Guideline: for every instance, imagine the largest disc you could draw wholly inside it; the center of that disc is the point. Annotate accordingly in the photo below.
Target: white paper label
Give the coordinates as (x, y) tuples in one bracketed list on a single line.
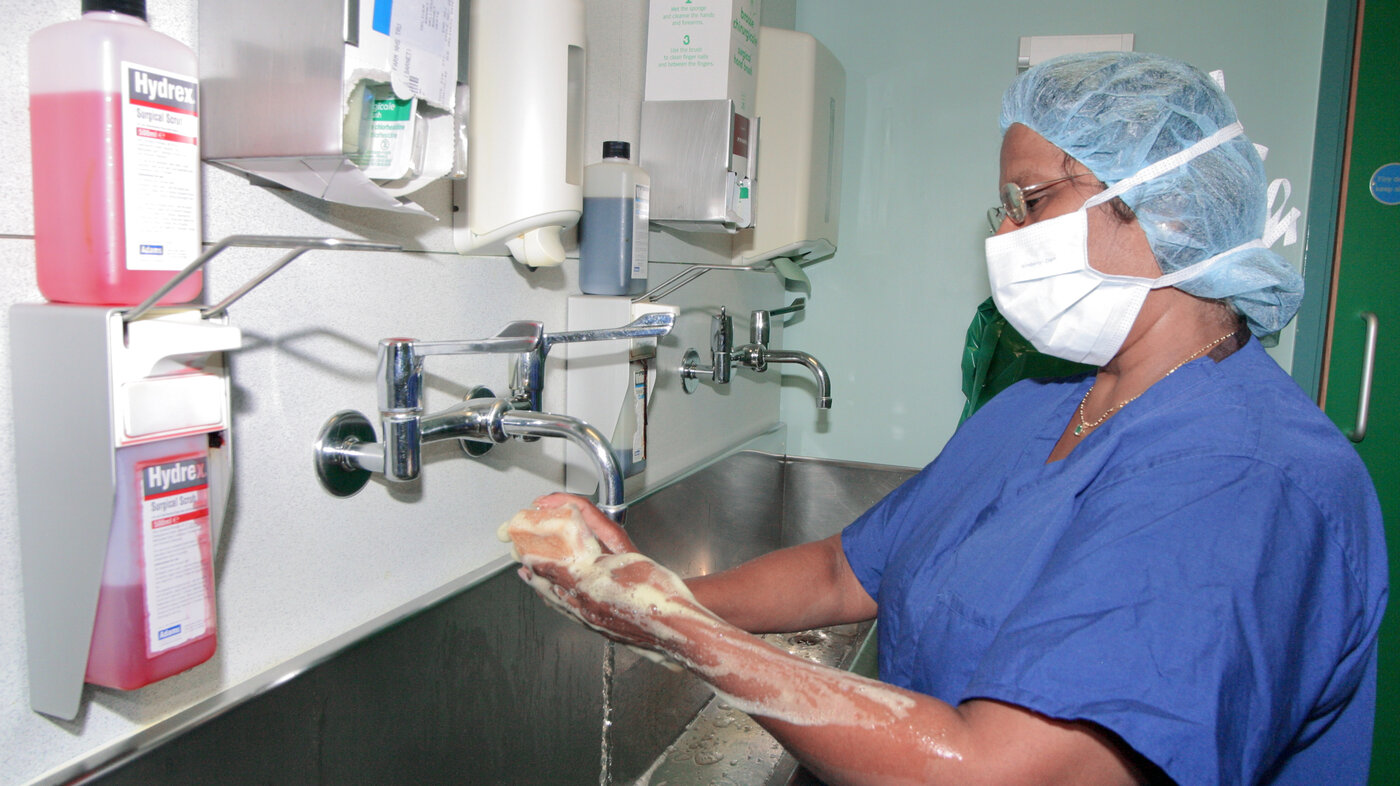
[(176, 550), (424, 61), (160, 167), (639, 403), (641, 211), (703, 50)]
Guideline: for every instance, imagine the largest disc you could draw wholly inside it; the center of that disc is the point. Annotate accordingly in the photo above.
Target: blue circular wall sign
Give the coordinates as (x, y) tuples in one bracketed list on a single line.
[(1385, 184)]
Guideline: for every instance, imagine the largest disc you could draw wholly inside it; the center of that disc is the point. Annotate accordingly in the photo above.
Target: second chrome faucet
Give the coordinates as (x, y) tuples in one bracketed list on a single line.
[(754, 355)]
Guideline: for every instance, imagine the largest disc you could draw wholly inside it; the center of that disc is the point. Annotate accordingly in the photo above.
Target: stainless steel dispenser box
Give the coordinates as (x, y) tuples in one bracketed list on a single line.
[(271, 73), (702, 158), (279, 78)]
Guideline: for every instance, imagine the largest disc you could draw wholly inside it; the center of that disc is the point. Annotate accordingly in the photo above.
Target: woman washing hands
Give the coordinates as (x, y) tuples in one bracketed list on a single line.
[(1171, 569), (846, 728)]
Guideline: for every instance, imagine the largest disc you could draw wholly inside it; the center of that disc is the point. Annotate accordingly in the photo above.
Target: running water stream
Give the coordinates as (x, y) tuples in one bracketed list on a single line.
[(605, 768)]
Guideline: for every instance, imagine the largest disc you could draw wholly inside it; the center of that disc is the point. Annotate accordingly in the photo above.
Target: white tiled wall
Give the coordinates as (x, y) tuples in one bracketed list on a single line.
[(296, 567)]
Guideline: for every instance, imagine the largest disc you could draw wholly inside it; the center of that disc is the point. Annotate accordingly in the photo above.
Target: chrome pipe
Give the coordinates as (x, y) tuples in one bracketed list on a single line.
[(403, 448), (812, 364), (476, 420), (400, 376), (543, 424), (350, 455)]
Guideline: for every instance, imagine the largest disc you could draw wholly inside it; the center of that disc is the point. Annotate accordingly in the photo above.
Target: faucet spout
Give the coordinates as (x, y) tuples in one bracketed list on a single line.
[(492, 420), (543, 424), (813, 365)]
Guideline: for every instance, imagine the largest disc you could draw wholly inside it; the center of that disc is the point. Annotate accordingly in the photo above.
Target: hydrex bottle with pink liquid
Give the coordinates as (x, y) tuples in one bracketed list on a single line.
[(114, 130)]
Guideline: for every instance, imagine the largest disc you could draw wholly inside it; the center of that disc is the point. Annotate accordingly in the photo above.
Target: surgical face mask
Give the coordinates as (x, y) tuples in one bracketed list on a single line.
[(1043, 284)]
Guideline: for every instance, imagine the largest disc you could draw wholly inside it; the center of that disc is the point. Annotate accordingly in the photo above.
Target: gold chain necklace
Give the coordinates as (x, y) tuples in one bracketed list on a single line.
[(1085, 426)]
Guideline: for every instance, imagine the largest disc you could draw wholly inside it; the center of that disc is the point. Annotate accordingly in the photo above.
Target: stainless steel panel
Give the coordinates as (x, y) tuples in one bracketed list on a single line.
[(685, 147), (270, 73), (821, 497), (63, 430)]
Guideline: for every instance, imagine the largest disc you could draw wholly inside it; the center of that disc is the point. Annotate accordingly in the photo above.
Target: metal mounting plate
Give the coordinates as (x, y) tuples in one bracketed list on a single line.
[(337, 474), (472, 448)]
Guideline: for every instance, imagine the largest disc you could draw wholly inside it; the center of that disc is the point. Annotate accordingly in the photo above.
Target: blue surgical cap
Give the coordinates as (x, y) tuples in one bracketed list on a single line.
[(1117, 112)]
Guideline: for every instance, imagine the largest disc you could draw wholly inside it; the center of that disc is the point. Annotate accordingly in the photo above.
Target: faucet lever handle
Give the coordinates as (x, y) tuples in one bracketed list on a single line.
[(792, 308), (522, 336), (657, 323)]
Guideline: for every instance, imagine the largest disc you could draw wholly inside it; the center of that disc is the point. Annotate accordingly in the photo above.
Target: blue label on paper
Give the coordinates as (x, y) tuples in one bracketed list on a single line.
[(383, 9), (1385, 184)]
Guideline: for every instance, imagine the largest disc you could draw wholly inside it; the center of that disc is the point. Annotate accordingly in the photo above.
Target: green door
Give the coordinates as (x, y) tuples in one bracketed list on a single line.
[(1368, 282)]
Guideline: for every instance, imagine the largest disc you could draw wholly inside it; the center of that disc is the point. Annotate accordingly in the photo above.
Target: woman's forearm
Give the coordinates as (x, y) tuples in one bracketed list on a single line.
[(846, 728), (852, 730), (796, 588)]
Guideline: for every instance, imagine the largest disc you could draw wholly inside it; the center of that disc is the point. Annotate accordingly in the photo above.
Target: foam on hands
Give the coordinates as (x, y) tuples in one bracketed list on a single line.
[(797, 691)]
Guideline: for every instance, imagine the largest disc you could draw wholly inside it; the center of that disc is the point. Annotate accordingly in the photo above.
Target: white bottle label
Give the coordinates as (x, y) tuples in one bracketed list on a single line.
[(641, 210), (639, 403), (160, 167), (175, 550)]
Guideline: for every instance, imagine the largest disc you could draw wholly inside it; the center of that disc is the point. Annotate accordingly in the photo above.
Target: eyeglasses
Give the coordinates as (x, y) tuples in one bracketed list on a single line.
[(1013, 201)]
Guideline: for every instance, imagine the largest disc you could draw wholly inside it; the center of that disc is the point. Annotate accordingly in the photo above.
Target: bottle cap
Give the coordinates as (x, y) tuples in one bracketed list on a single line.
[(617, 150), (136, 8)]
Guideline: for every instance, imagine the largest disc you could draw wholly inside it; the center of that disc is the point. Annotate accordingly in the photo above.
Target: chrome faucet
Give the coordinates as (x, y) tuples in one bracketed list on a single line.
[(755, 354), (347, 453), (527, 377), (401, 387)]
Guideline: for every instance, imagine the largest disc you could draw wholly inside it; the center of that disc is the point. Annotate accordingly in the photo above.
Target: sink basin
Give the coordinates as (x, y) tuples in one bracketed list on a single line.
[(670, 729), (484, 679), (725, 746)]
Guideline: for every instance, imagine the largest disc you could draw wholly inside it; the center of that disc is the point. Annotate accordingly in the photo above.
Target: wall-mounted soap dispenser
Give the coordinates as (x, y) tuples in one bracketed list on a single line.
[(121, 443), (525, 77), (122, 462)]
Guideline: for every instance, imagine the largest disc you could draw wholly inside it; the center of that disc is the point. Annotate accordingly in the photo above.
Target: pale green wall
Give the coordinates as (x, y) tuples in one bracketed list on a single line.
[(924, 80)]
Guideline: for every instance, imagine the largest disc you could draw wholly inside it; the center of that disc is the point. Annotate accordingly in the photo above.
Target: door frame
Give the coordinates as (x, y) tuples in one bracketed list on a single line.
[(1334, 98)]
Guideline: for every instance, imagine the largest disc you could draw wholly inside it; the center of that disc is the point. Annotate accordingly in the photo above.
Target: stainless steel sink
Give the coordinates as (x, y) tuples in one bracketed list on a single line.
[(484, 681), (669, 729)]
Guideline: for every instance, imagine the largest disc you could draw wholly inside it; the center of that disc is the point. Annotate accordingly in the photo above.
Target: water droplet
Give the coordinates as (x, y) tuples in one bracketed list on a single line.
[(709, 757)]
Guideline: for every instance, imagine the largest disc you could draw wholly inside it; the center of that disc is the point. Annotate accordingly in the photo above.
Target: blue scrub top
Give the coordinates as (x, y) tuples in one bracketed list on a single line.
[(1204, 575)]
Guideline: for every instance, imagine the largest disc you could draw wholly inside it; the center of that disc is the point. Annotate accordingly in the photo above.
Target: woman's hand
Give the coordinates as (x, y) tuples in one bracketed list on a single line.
[(606, 530), (585, 565)]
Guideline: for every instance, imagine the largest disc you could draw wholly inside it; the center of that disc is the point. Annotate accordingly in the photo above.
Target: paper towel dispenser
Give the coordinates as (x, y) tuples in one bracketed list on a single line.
[(280, 79), (802, 109)]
